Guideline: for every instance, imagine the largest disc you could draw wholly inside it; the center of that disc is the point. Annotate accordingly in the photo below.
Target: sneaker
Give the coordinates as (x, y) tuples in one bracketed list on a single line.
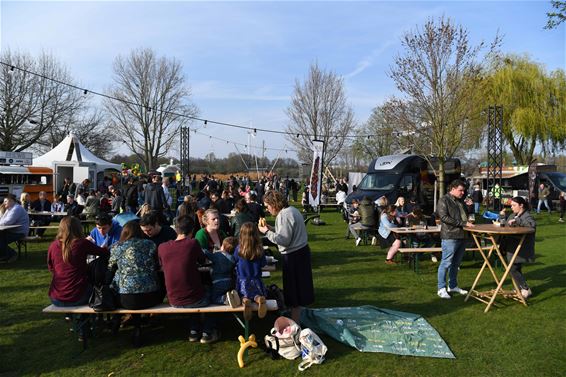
[(233, 299), (458, 290), (358, 240), (210, 338), (434, 259), (262, 307), (247, 309), (373, 241), (561, 220), (526, 293), (194, 336), (442, 293)]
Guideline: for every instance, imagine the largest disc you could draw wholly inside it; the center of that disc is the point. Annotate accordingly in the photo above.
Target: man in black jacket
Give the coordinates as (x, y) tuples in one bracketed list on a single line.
[(454, 218)]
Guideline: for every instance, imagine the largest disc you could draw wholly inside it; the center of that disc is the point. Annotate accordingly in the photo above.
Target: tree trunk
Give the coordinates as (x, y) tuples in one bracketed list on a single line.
[(441, 183)]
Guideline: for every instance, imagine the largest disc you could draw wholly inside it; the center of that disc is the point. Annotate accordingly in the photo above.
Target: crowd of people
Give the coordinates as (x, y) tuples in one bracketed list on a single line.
[(158, 253), (158, 256)]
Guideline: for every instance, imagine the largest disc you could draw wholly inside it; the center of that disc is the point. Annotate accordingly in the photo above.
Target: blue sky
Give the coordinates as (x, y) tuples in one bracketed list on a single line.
[(241, 59)]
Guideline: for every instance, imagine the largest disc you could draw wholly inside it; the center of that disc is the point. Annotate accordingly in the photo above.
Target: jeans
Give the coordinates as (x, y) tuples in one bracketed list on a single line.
[(193, 319), (7, 237), (452, 253), (545, 201), (477, 208), (82, 301)]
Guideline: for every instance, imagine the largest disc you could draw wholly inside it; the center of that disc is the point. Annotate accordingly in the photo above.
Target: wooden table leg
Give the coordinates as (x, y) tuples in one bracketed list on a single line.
[(507, 269)]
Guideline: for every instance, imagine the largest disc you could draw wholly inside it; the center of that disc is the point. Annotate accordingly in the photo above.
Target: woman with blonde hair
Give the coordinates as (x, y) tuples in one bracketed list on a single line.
[(25, 201), (210, 237), (66, 259)]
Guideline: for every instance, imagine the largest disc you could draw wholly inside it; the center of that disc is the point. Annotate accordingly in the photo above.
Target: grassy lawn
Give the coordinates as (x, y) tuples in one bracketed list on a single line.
[(509, 340)]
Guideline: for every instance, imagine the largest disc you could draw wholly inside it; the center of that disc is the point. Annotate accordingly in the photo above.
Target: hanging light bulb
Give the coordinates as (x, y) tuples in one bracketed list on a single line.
[(85, 92), (205, 123)]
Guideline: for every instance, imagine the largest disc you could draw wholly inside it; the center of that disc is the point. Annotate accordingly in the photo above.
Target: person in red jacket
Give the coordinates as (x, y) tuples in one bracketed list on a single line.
[(66, 260)]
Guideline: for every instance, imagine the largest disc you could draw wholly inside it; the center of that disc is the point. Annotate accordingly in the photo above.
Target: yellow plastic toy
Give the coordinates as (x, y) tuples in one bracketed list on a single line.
[(243, 346)]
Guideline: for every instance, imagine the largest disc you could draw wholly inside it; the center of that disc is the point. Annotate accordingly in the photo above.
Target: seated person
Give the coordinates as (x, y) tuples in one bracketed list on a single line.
[(106, 233), (388, 238), (152, 225), (67, 261), (368, 219), (242, 216), (179, 260), (57, 206), (134, 260), (71, 207), (255, 209), (222, 271), (92, 206), (12, 214), (402, 210), (41, 205)]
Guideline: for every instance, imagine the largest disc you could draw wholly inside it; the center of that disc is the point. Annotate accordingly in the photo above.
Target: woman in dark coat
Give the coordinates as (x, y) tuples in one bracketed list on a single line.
[(520, 217)]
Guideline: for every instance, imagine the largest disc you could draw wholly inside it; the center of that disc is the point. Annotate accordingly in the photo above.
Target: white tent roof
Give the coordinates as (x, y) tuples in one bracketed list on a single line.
[(71, 149)]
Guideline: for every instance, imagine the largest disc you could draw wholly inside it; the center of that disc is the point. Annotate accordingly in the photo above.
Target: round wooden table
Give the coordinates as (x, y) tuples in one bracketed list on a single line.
[(492, 233)]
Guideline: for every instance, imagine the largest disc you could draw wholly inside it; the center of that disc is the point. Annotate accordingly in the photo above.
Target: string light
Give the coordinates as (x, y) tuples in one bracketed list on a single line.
[(85, 92), (206, 121)]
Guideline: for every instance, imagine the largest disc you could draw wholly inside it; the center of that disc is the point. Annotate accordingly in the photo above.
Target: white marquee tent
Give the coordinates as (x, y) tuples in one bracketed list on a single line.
[(71, 159)]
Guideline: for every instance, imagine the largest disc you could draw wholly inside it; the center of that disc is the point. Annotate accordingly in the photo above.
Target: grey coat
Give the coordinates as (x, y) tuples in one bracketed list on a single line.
[(450, 213), (510, 243)]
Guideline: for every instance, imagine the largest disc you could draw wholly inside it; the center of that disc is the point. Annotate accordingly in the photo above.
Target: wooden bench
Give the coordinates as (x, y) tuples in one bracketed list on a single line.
[(416, 251), (24, 243), (159, 309)]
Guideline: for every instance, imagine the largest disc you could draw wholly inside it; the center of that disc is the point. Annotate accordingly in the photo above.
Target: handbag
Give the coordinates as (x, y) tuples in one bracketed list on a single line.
[(283, 339), (103, 298)]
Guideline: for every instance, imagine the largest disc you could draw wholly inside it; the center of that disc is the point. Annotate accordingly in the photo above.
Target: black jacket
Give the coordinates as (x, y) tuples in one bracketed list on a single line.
[(450, 212), (155, 197)]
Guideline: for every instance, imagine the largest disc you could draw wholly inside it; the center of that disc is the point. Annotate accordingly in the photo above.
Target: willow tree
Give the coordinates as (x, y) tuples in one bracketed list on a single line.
[(437, 74), (534, 110)]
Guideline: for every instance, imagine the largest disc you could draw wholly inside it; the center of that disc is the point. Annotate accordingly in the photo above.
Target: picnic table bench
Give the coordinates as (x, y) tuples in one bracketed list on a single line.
[(159, 309), (415, 252)]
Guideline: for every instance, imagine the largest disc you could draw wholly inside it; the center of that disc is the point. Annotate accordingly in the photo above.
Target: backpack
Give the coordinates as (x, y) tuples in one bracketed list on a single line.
[(283, 339), (276, 293), (312, 349)]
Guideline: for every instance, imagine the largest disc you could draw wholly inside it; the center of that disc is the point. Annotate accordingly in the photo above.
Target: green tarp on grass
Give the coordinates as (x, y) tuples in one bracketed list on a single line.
[(371, 329)]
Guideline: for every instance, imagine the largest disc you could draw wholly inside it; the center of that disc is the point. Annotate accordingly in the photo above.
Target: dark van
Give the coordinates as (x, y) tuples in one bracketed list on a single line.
[(406, 175)]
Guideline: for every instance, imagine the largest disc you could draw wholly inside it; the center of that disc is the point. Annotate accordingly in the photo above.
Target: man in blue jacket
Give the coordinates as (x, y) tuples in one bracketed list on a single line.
[(12, 214)]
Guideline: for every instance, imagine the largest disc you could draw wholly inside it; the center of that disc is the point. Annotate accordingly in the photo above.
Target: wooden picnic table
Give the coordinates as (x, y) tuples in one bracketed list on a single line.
[(492, 233), (415, 252), (46, 213)]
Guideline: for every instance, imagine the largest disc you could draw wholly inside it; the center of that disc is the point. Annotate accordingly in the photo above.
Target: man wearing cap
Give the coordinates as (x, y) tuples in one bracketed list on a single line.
[(12, 214)]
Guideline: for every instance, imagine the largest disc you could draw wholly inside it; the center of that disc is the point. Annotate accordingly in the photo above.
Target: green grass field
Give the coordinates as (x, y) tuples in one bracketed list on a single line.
[(510, 340)]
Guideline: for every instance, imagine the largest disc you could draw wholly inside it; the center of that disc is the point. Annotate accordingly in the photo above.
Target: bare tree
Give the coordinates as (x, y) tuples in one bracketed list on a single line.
[(438, 74), (153, 103), (386, 140), (91, 129), (34, 100), (319, 110)]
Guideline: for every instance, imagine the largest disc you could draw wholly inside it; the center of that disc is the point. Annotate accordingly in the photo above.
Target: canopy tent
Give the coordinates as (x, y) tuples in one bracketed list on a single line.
[(71, 159)]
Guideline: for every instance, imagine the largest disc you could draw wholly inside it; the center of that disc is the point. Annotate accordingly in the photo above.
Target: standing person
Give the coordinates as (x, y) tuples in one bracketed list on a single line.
[(543, 193), (477, 198), (250, 259), (562, 198), (453, 219), (68, 188), (179, 260), (82, 187), (154, 195), (210, 237), (520, 216), (131, 196), (290, 236), (12, 214)]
